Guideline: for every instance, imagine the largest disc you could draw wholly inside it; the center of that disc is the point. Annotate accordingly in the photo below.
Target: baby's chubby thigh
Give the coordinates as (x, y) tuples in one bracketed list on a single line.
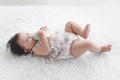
[(79, 47)]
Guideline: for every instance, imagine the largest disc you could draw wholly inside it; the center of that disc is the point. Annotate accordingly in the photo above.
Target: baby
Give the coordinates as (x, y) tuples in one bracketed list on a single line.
[(60, 45)]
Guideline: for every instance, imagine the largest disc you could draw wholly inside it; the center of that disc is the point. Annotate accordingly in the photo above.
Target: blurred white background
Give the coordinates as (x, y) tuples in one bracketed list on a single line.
[(15, 16), (60, 2)]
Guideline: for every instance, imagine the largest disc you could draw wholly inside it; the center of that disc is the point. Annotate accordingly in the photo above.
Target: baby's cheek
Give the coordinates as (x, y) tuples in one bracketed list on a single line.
[(31, 42), (30, 45)]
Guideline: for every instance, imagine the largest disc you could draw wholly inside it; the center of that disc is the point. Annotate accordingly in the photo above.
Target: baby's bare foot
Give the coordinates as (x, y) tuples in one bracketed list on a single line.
[(86, 31), (106, 48)]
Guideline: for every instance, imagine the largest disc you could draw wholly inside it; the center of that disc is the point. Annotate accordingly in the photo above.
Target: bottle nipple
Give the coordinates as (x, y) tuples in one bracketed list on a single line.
[(35, 37)]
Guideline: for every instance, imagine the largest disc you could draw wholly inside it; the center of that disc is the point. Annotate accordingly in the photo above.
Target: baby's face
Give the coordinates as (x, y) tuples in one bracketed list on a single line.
[(26, 41)]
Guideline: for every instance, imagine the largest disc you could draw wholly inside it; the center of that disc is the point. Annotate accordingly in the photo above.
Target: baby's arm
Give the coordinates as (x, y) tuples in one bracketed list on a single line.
[(44, 48)]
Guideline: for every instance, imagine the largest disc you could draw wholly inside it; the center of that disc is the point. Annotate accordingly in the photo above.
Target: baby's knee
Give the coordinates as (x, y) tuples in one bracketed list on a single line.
[(69, 23)]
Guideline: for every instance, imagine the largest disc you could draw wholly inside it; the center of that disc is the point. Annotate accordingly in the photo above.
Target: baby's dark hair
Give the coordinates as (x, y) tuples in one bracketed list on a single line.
[(14, 47)]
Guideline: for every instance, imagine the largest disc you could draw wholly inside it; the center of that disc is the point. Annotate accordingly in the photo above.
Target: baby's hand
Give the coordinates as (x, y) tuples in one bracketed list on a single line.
[(44, 28), (41, 31)]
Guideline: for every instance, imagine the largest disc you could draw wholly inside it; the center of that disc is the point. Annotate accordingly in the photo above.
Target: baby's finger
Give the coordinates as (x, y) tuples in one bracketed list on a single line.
[(41, 28), (44, 27)]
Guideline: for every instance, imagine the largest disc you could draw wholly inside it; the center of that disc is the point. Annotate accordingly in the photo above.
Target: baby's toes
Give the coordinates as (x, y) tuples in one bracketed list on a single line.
[(109, 47)]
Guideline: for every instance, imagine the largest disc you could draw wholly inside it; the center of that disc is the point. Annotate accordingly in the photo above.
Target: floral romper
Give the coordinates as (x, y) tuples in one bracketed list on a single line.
[(60, 44)]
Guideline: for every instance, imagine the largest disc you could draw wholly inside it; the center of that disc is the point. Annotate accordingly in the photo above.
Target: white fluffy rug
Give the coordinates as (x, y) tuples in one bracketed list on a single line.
[(105, 25)]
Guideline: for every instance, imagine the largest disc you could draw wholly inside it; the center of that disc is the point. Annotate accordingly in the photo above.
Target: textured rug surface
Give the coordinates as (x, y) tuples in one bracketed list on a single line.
[(105, 26)]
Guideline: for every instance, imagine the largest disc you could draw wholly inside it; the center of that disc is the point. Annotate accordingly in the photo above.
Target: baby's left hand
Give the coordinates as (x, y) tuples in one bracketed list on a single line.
[(44, 28), (41, 31)]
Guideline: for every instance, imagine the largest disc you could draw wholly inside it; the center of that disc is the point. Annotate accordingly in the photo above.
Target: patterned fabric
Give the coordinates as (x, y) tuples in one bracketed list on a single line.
[(60, 44)]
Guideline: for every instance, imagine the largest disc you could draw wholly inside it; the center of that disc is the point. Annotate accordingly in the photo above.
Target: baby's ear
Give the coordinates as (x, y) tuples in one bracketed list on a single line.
[(26, 50)]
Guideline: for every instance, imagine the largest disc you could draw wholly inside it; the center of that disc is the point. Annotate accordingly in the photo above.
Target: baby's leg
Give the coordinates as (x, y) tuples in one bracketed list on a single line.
[(81, 46), (77, 29)]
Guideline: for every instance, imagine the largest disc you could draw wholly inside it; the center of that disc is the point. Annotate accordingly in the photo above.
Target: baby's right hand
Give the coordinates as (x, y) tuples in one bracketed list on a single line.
[(44, 28), (41, 31)]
